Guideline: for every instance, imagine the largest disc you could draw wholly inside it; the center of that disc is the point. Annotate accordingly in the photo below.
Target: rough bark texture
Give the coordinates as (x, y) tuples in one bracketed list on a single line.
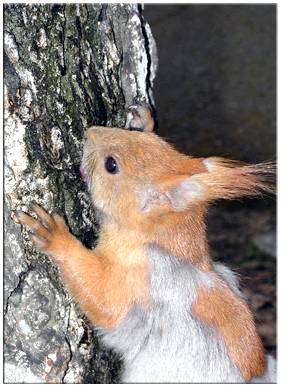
[(66, 67)]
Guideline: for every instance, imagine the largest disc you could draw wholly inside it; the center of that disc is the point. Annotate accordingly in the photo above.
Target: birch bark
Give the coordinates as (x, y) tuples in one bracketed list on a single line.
[(66, 67)]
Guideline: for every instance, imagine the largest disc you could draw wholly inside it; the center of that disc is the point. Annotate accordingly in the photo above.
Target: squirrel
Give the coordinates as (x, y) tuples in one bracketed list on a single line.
[(150, 285)]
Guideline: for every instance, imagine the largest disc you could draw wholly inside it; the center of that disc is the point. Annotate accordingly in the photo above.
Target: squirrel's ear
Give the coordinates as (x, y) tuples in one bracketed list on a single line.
[(173, 190), (181, 191), (220, 179)]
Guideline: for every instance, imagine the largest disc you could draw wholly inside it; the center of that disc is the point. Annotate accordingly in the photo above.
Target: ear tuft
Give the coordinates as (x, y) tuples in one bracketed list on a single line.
[(222, 179), (229, 179), (219, 179)]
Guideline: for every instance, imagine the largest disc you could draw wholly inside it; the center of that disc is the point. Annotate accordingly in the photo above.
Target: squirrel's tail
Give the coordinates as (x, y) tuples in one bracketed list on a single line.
[(270, 375)]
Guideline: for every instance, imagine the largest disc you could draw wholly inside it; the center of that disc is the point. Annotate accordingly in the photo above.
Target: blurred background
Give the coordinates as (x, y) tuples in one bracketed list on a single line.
[(215, 94)]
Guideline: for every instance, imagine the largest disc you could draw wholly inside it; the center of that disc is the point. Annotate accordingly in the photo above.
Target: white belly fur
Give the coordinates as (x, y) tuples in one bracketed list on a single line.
[(167, 344)]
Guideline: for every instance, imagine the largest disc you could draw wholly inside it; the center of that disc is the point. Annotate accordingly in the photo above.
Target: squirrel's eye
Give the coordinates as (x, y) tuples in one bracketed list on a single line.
[(111, 165)]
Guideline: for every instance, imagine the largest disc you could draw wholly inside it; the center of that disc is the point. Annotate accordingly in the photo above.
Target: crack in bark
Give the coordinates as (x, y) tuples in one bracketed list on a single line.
[(102, 15), (147, 50), (100, 113), (149, 65), (63, 67), (18, 287), (69, 346)]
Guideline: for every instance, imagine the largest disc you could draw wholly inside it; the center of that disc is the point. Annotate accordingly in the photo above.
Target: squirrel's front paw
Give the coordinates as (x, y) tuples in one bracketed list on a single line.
[(49, 232)]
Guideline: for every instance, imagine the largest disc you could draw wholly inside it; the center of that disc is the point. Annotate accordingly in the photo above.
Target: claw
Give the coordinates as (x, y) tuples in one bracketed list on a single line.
[(34, 225), (44, 216), (49, 232)]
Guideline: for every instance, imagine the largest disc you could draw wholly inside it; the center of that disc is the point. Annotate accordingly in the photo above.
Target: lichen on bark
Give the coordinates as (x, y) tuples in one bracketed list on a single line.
[(66, 67)]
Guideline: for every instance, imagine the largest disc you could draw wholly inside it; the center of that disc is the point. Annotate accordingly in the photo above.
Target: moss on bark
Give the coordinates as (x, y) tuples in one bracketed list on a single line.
[(67, 66)]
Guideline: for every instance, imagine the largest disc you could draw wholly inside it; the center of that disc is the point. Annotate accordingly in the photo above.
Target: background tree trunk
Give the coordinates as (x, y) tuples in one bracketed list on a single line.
[(66, 67)]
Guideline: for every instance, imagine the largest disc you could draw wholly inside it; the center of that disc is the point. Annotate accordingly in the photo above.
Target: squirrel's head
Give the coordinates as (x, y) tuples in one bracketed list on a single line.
[(136, 176)]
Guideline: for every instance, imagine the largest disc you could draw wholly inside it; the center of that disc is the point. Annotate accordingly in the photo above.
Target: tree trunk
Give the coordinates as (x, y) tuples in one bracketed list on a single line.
[(66, 67)]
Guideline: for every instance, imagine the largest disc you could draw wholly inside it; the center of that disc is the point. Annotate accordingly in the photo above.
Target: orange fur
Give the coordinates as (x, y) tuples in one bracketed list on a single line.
[(181, 234), (147, 162), (230, 316), (158, 197), (104, 286), (105, 290), (229, 179), (178, 225)]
